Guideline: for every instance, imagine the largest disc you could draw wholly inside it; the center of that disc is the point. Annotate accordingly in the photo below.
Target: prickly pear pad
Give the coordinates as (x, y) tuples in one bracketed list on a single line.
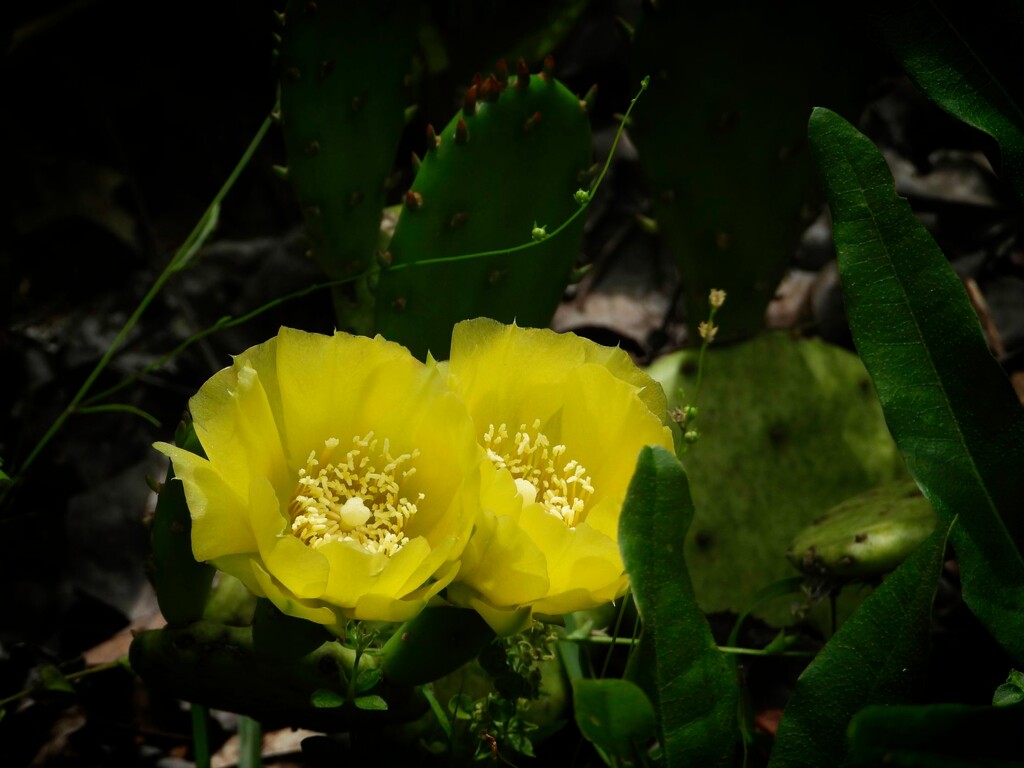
[(506, 165)]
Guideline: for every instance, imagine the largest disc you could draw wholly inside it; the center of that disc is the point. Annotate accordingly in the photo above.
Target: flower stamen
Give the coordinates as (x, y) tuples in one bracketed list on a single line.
[(540, 475), (351, 499)]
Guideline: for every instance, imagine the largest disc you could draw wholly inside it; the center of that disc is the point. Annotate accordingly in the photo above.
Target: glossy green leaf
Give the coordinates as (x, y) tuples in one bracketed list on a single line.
[(937, 736), (690, 683), (1010, 692), (877, 657), (323, 698), (373, 703), (52, 679), (615, 715), (965, 58), (367, 679), (948, 404)]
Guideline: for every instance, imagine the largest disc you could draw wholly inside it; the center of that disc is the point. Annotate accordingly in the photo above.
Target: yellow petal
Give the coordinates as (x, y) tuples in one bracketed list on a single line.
[(240, 566), (301, 569), (503, 564), (235, 421), (621, 365), (288, 603), (504, 621), (220, 517), (580, 558), (352, 571), (376, 607), (430, 567), (604, 426), (327, 384), (505, 373), (604, 516)]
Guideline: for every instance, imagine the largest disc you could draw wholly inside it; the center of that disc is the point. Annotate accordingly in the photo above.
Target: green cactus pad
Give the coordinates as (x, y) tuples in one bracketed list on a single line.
[(505, 165), (342, 111), (866, 536), (722, 137), (789, 428)]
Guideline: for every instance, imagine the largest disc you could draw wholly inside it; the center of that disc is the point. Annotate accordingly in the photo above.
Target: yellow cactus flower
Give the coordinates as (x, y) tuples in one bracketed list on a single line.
[(341, 481), (562, 420)]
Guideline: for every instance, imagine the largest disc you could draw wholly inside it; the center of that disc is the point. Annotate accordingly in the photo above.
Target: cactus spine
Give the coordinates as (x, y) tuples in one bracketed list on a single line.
[(343, 67), (508, 163)]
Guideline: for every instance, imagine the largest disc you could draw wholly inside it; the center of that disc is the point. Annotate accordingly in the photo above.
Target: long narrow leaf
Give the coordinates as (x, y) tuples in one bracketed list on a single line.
[(691, 684), (946, 400), (877, 657), (964, 57)]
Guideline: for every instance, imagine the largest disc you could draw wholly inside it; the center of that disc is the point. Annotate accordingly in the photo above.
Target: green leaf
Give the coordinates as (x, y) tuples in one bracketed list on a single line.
[(937, 736), (1010, 692), (367, 679), (615, 715), (461, 706), (965, 59), (948, 404), (53, 680), (877, 657), (691, 685), (323, 698), (373, 703)]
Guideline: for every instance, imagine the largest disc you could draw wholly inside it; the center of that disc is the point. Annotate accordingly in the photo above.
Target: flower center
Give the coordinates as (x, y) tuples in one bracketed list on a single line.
[(357, 498), (540, 471)]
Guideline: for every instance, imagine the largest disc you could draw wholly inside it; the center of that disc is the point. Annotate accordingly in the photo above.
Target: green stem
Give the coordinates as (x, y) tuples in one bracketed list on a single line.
[(200, 736), (250, 737), (70, 677), (615, 639), (759, 652), (230, 322), (120, 408), (700, 358), (204, 227)]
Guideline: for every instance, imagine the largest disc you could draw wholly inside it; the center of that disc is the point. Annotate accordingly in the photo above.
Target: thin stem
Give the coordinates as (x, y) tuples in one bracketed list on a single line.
[(706, 342), (200, 736), (615, 636), (120, 408), (230, 322), (70, 677), (250, 737), (759, 652), (204, 227)]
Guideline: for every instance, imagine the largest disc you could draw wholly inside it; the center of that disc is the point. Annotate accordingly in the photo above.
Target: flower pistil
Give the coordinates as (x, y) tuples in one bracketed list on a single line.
[(353, 500), (540, 471)]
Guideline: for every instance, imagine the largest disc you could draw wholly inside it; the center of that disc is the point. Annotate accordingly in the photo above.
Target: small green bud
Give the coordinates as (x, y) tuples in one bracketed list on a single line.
[(539, 232), (691, 436), (582, 196), (691, 412)]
